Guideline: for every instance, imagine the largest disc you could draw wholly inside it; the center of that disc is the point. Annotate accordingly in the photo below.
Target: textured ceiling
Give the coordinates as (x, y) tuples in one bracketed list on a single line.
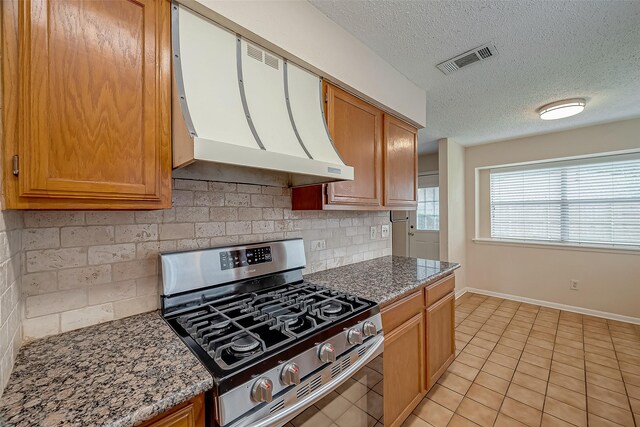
[(548, 50)]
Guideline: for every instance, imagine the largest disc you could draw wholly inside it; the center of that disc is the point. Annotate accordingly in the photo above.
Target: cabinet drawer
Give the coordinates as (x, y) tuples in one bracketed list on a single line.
[(400, 311), (435, 292)]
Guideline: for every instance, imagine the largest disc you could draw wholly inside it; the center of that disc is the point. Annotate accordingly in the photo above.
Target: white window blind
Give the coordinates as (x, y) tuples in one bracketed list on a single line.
[(594, 201)]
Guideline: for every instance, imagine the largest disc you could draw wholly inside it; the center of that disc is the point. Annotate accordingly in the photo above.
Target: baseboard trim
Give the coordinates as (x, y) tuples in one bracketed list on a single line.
[(571, 308), (461, 292)]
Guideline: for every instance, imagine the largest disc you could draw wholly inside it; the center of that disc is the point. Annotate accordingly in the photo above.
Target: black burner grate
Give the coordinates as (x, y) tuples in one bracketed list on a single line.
[(237, 330)]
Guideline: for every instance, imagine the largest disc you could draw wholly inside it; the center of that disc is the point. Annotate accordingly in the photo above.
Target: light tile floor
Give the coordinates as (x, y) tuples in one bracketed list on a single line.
[(524, 365)]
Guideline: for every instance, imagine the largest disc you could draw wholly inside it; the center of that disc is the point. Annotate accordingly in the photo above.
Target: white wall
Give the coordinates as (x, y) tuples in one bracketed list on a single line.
[(428, 163), (308, 37), (452, 207), (609, 281)]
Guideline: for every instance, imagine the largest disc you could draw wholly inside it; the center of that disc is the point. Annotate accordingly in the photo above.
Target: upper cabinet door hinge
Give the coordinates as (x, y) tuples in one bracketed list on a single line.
[(16, 169)]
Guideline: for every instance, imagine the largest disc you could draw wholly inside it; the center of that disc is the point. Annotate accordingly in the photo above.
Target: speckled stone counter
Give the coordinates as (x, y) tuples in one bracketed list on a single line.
[(383, 279), (117, 374)]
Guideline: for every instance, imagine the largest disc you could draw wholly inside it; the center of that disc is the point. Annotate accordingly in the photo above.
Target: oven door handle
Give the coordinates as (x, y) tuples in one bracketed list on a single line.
[(286, 414)]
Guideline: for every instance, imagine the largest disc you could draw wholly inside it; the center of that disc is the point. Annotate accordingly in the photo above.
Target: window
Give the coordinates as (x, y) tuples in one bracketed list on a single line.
[(428, 209), (586, 201)]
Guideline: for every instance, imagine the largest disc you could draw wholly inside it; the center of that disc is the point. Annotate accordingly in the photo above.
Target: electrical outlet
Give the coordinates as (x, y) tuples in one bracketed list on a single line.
[(374, 231), (318, 245), (573, 285), (384, 233)]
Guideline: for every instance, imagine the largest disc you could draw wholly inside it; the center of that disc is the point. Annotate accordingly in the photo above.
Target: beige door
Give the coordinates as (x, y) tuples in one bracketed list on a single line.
[(400, 233)]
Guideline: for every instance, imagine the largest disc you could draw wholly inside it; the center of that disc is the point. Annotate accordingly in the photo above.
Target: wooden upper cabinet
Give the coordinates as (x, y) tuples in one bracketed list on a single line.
[(400, 164), (356, 130), (88, 114), (382, 151)]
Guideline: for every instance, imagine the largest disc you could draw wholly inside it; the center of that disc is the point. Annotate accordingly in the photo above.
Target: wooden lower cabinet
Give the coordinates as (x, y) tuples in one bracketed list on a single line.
[(404, 385), (441, 344), (187, 414), (419, 346)]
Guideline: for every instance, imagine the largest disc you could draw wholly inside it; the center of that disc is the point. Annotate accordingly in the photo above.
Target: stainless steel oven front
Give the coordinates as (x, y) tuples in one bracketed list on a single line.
[(347, 392)]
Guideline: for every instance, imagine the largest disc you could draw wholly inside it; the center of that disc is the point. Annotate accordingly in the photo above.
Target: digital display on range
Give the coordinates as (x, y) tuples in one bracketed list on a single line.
[(244, 257)]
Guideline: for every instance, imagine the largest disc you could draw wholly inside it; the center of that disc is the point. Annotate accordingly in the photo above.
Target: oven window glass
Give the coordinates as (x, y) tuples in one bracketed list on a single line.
[(356, 403)]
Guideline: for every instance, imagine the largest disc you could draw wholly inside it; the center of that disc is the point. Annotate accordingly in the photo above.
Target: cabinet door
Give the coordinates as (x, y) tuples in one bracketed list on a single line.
[(441, 345), (400, 164), (403, 365), (188, 414), (94, 106), (356, 130)]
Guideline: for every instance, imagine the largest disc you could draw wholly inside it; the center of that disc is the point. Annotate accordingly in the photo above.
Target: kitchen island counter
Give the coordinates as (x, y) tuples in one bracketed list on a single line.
[(119, 373), (384, 279)]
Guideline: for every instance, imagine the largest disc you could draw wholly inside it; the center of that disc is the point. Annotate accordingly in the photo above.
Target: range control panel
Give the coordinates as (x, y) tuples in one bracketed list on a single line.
[(244, 257)]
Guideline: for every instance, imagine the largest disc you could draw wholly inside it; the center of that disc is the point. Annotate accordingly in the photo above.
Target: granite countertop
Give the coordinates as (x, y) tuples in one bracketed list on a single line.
[(119, 373), (383, 279), (125, 372)]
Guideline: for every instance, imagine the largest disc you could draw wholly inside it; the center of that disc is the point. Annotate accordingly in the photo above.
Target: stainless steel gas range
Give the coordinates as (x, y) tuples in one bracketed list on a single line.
[(276, 345)]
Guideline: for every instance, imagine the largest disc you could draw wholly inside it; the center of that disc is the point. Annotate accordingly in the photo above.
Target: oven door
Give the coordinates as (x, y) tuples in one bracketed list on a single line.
[(347, 392)]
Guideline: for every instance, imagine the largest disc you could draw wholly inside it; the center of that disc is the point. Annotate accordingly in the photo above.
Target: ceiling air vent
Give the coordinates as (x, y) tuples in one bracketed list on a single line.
[(475, 55)]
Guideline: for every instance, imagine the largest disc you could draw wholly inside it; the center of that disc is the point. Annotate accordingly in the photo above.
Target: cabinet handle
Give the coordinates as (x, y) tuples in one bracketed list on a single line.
[(16, 170)]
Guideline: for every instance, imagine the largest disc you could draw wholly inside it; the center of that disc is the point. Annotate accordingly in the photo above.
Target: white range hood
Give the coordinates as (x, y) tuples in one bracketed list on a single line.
[(247, 107)]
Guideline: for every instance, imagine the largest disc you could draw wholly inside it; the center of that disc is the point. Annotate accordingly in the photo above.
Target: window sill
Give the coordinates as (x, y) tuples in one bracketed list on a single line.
[(631, 250)]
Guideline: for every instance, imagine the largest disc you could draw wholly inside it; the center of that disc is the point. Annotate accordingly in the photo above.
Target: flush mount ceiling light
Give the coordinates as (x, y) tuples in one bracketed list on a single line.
[(562, 109)]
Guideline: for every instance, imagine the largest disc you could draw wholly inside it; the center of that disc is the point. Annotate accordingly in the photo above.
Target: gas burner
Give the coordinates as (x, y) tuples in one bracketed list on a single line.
[(289, 319), (297, 323), (302, 325), (331, 308), (243, 344), (212, 332), (223, 324), (259, 300)]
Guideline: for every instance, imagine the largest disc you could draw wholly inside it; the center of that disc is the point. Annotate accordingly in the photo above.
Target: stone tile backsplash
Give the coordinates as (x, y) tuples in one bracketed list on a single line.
[(82, 268), (10, 297)]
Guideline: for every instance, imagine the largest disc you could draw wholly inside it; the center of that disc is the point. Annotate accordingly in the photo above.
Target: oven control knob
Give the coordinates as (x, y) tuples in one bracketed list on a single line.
[(354, 337), (262, 390), (290, 374), (327, 353), (369, 329)]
